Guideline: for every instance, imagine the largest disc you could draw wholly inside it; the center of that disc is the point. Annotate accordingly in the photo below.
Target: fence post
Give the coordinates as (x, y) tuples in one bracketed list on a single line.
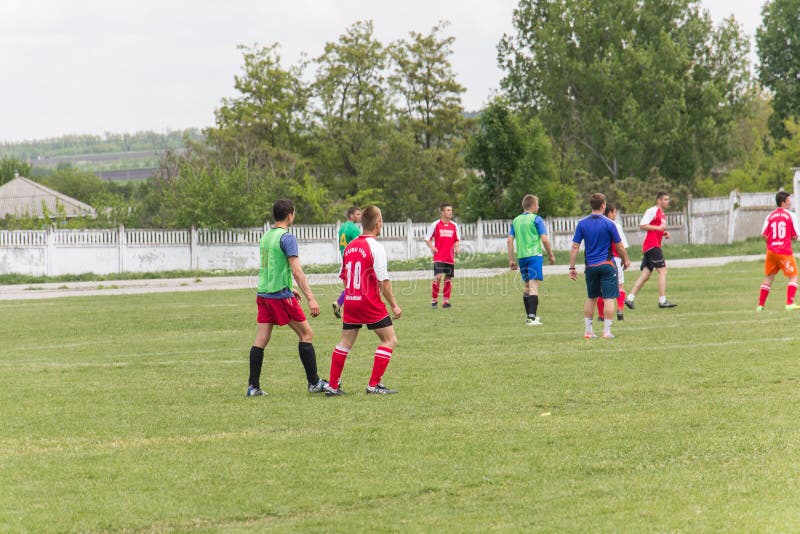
[(122, 241), (689, 222), (409, 239), (732, 216), (336, 247), (193, 252), (48, 250), (479, 236)]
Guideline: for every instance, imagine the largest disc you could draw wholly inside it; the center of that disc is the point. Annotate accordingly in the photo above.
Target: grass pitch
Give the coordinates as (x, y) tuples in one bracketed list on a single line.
[(128, 413)]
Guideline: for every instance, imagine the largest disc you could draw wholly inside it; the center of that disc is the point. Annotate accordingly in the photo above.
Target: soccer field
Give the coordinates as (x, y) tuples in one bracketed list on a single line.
[(128, 413)]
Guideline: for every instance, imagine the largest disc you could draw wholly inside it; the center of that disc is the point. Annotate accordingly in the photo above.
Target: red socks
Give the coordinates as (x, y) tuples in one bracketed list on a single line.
[(764, 293), (448, 288), (380, 362), (435, 290), (791, 289), (337, 364), (600, 307), (621, 300)]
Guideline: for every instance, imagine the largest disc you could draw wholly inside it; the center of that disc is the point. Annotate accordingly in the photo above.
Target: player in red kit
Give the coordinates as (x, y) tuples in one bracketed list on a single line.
[(780, 228), (365, 274), (443, 238)]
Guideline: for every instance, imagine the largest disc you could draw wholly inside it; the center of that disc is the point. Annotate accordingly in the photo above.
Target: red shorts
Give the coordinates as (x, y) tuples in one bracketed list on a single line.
[(279, 311)]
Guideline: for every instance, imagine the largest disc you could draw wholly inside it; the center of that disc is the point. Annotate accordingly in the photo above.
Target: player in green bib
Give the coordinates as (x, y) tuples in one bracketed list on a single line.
[(530, 234), (348, 231)]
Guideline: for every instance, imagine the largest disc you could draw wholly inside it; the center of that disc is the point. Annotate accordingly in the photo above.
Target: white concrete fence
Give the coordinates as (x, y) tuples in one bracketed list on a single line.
[(55, 251)]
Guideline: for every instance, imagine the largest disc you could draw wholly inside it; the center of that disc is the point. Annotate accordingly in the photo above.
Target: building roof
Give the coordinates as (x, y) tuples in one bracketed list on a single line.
[(22, 196)]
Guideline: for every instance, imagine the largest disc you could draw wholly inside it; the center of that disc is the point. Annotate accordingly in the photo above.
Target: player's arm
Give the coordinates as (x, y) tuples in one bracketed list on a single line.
[(647, 218), (388, 295), (573, 255), (302, 283), (512, 258), (548, 248), (429, 237), (623, 253)]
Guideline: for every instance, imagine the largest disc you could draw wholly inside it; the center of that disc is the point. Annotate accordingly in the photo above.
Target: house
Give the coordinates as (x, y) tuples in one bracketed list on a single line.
[(22, 196)]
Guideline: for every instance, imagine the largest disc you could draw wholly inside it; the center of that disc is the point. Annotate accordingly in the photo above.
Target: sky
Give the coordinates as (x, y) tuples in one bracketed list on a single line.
[(97, 66)]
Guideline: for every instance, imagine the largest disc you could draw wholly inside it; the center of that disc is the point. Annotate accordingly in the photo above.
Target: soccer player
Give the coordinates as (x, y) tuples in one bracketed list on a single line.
[(365, 274), (611, 213), (654, 222), (780, 228), (598, 234), (347, 232), (443, 240), (279, 304), (530, 234)]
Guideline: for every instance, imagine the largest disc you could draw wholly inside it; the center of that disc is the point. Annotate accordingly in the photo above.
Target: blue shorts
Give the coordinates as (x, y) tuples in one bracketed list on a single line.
[(531, 268), (601, 281)]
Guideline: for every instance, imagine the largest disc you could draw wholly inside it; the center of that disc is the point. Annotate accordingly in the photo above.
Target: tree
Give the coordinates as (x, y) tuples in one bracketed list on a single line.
[(628, 85), (11, 166), (778, 43)]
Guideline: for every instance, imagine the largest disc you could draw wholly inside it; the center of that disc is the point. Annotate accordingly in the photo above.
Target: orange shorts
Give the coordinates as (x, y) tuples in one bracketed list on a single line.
[(780, 262)]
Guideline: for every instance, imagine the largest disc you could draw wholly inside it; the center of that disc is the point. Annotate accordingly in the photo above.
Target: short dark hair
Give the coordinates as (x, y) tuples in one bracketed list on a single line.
[(661, 194), (369, 217), (596, 200), (780, 197), (444, 205), (609, 208), (282, 209), (351, 210), (529, 201)]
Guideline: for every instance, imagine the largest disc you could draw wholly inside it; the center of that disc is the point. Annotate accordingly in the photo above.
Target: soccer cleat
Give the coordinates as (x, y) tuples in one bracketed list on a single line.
[(629, 304), (255, 391), (434, 304), (533, 321), (759, 308), (792, 306), (608, 335), (337, 310), (330, 392), (319, 387), (589, 335), (620, 316), (668, 304), (599, 318), (447, 305), (380, 389)]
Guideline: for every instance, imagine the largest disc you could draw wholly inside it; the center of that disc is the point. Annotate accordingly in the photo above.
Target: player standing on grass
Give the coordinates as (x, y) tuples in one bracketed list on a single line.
[(611, 213), (598, 234), (347, 232), (278, 304), (780, 228), (443, 240), (654, 222), (365, 274), (530, 233)]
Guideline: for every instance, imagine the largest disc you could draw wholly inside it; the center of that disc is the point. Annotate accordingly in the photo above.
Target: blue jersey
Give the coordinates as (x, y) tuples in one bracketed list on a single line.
[(597, 232)]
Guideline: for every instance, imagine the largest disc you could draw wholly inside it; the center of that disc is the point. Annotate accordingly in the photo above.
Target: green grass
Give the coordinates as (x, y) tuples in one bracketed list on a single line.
[(128, 413), (472, 261)]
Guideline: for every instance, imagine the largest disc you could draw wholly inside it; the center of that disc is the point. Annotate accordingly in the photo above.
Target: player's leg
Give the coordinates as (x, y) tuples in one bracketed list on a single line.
[(263, 335), (339, 356), (609, 291), (637, 285), (592, 294), (620, 287), (533, 300), (308, 357), (448, 285), (436, 286), (381, 359), (526, 274), (771, 268), (337, 306)]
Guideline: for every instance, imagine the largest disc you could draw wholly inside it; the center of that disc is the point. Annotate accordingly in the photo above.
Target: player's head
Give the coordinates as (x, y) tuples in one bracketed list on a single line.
[(446, 209), (530, 203), (596, 201), (610, 211), (662, 199), (371, 220), (781, 197), (354, 214), (282, 209)]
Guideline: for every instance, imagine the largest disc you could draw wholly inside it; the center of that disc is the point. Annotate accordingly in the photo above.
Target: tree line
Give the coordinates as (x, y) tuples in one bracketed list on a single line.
[(627, 97)]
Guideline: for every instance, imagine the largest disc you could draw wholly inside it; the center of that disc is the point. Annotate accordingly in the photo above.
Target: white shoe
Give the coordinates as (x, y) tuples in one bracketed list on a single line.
[(533, 321)]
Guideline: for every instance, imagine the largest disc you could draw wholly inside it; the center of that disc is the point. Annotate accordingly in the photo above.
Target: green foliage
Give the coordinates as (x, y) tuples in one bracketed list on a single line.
[(11, 166), (109, 143), (778, 40), (629, 85)]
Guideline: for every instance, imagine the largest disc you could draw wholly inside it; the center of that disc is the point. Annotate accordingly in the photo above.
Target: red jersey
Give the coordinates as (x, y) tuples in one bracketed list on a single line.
[(655, 217), (444, 236), (780, 227), (364, 267)]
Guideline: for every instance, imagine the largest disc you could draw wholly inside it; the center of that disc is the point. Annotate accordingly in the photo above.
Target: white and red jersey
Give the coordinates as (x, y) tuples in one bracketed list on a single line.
[(652, 238), (364, 267), (780, 227), (444, 235), (623, 240)]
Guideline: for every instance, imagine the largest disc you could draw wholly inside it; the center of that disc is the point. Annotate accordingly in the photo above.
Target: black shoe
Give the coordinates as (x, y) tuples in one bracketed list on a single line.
[(380, 389), (319, 387), (620, 317), (330, 392), (447, 305), (629, 304), (434, 304), (666, 304), (601, 318)]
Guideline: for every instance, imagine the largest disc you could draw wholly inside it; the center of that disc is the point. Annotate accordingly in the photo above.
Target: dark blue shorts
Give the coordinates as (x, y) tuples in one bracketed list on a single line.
[(531, 268), (601, 281)]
